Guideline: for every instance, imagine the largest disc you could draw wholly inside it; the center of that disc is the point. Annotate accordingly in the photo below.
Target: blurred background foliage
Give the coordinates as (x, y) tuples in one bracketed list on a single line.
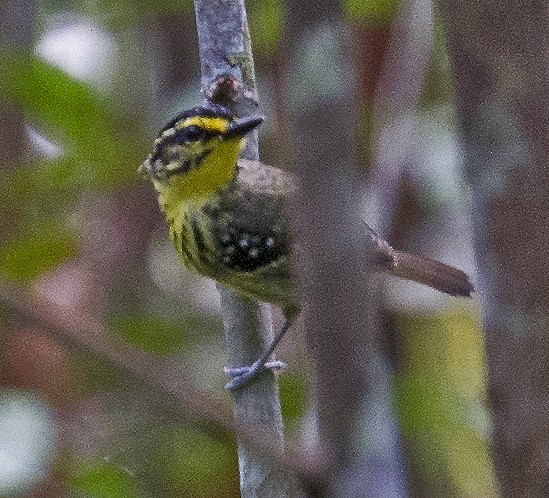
[(82, 231)]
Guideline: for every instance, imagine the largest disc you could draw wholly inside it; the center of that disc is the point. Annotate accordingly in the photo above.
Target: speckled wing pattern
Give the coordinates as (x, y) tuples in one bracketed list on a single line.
[(249, 232), (243, 239)]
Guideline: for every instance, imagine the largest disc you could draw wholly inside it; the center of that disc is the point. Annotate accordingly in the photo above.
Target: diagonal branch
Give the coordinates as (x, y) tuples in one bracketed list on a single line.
[(170, 393)]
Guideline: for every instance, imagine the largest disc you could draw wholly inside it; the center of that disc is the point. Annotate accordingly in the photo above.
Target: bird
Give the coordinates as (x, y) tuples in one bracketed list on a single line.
[(227, 219)]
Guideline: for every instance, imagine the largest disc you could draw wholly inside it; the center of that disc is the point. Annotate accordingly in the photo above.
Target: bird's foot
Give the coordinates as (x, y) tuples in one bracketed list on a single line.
[(243, 375)]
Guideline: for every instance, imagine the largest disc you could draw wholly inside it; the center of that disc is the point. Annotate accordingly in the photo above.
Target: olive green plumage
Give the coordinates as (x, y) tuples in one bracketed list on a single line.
[(227, 216), (241, 237)]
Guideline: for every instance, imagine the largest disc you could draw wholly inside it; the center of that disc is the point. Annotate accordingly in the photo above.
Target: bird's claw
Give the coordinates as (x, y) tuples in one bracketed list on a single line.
[(243, 375)]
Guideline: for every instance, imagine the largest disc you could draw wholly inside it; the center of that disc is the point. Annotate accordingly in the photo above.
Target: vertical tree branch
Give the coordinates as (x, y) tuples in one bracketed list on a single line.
[(224, 44), (335, 267), (500, 61)]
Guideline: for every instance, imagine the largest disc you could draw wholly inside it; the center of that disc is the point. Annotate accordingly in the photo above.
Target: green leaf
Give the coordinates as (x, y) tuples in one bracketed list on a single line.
[(371, 11), (13, 67), (31, 254), (102, 480), (60, 101), (153, 333), (198, 464), (43, 180), (123, 14), (426, 404), (293, 395), (102, 146), (267, 18), (439, 398)]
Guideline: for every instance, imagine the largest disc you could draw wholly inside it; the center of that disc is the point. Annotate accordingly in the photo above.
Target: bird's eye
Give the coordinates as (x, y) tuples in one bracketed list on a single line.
[(193, 133)]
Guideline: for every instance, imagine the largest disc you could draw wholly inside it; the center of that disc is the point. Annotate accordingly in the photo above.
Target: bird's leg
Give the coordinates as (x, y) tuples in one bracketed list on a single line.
[(243, 375)]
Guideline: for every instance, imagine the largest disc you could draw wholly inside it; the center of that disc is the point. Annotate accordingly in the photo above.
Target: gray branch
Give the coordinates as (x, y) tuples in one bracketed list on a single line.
[(352, 382), (502, 90), (224, 44)]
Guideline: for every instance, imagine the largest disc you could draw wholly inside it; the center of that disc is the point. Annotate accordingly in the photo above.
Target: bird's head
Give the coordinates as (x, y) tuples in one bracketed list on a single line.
[(196, 153)]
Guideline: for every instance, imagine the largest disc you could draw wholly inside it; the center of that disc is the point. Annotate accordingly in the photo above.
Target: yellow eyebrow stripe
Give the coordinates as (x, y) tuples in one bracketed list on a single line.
[(219, 125)]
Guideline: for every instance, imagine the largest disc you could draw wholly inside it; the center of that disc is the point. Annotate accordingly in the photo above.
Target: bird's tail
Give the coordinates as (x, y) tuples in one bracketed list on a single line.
[(426, 271)]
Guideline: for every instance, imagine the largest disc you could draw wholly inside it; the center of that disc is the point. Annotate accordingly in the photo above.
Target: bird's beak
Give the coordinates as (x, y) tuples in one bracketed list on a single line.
[(244, 125)]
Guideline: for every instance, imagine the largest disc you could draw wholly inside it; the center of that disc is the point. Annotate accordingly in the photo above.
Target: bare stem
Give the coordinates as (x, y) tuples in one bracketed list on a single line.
[(225, 49)]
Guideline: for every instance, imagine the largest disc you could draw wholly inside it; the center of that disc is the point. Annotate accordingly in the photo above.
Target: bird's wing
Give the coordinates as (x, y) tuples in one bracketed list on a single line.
[(250, 219), (249, 228), (278, 187)]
